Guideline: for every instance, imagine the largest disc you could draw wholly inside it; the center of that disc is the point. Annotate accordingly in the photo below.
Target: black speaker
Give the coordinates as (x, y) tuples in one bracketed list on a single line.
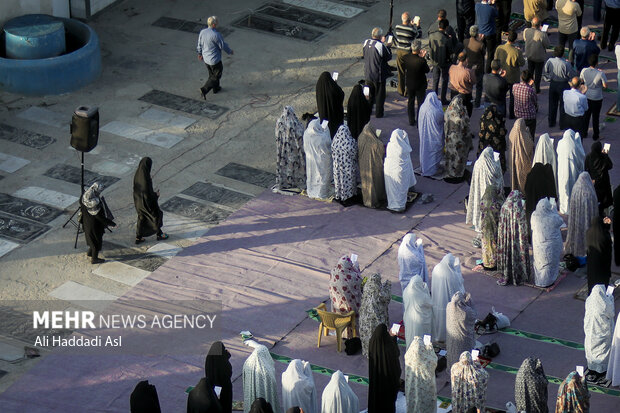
[(85, 128)]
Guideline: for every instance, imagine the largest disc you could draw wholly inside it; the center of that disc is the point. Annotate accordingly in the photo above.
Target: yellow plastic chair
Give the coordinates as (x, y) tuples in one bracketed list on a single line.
[(334, 321)]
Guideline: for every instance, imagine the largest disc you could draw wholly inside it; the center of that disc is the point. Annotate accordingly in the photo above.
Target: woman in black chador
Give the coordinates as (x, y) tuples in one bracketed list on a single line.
[(218, 372), (144, 399), (150, 217), (94, 220), (329, 99)]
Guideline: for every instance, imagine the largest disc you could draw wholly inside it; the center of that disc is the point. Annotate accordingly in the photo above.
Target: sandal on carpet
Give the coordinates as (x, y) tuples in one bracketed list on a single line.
[(139, 240), (162, 237)]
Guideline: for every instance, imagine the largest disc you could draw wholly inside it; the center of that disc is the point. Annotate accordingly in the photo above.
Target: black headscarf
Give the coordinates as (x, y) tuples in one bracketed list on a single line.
[(219, 371), (144, 399), (598, 164), (358, 110), (598, 244), (203, 399), (384, 371), (293, 410), (540, 183), (330, 99), (261, 405), (616, 223), (150, 217)]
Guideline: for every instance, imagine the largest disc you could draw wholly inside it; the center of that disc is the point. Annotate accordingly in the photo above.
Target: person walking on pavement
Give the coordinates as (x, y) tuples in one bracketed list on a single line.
[(210, 46)]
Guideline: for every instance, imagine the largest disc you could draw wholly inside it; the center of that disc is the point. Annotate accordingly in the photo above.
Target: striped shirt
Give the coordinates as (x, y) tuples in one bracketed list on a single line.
[(404, 35)]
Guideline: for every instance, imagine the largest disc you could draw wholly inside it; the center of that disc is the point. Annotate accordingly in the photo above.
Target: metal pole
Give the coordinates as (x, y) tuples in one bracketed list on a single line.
[(77, 232)]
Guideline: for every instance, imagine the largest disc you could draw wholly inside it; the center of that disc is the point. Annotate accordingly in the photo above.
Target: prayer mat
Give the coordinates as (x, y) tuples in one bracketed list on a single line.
[(613, 111), (497, 274), (582, 293)]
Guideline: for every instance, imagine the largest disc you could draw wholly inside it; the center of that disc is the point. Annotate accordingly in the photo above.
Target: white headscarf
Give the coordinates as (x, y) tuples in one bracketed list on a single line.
[(598, 325), (613, 367), (398, 170), (259, 379), (545, 154), (420, 382), (547, 242), (571, 158), (430, 127), (582, 207), (411, 260), (338, 396), (319, 172), (418, 315), (446, 280), (298, 387), (487, 171)]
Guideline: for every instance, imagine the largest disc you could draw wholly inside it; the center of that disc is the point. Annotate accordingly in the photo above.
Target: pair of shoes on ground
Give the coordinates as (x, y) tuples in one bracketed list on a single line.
[(160, 237)]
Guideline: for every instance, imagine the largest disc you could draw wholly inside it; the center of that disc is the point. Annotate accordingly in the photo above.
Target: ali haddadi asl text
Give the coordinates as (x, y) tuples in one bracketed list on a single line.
[(78, 341)]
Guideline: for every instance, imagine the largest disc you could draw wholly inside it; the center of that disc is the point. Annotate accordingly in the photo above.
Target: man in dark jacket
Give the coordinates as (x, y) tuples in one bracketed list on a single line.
[(443, 15), (465, 18), (495, 87), (416, 69), (376, 69), (440, 58)]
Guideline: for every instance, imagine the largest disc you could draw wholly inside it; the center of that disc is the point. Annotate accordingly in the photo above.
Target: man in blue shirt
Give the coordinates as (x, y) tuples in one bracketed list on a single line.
[(583, 48), (575, 107), (210, 46), (486, 13)]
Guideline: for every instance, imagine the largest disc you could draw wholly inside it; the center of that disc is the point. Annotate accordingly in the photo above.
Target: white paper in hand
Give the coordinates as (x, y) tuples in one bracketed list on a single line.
[(378, 132), (544, 28), (366, 91), (346, 377), (610, 290), (496, 156), (418, 242), (324, 124), (390, 38), (468, 163), (474, 354), (427, 339), (442, 352), (395, 328), (353, 258), (579, 370), (335, 76), (217, 390), (606, 147)]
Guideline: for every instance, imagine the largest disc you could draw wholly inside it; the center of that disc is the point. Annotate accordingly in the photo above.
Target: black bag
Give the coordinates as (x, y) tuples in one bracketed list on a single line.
[(352, 346), (572, 263), (490, 351), (486, 326)]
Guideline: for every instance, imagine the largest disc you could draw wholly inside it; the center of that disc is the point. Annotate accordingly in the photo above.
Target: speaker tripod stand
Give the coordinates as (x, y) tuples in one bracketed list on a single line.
[(76, 223)]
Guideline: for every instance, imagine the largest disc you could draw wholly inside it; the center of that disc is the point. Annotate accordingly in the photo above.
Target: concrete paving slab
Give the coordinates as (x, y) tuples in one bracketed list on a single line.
[(46, 117), (28, 209), (138, 133), (72, 174), (183, 104), (7, 246), (10, 353), (19, 229), (47, 196), (300, 15), (83, 296), (120, 272), (166, 118), (24, 137), (247, 174), (329, 7), (132, 256), (272, 26), (194, 210), (217, 194), (164, 250), (10, 163), (183, 227), (107, 167)]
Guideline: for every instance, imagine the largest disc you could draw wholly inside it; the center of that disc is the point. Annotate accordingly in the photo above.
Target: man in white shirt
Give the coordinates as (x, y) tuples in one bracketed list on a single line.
[(575, 107), (595, 80)]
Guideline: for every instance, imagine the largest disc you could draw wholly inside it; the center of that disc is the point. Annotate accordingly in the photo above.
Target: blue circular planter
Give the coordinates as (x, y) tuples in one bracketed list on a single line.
[(34, 36), (59, 74)]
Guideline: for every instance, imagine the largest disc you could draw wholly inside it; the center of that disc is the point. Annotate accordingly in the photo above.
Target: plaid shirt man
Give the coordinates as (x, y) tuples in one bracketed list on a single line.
[(526, 101)]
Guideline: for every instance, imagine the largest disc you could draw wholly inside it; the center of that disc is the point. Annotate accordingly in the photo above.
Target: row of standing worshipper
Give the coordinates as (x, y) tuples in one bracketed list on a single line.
[(328, 168)]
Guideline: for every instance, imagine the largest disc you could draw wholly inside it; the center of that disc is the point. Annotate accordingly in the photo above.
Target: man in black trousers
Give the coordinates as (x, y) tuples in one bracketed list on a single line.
[(416, 69)]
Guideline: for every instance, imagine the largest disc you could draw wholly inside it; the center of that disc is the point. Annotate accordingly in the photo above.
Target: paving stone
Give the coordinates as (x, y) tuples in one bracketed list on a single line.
[(140, 134), (248, 175), (132, 256), (46, 117), (28, 209), (24, 137), (266, 24), (296, 14), (122, 273), (183, 104), (194, 210), (72, 174), (164, 250), (187, 25), (83, 296), (10, 163), (47, 196), (19, 229), (166, 118), (7, 246), (329, 7), (217, 194)]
